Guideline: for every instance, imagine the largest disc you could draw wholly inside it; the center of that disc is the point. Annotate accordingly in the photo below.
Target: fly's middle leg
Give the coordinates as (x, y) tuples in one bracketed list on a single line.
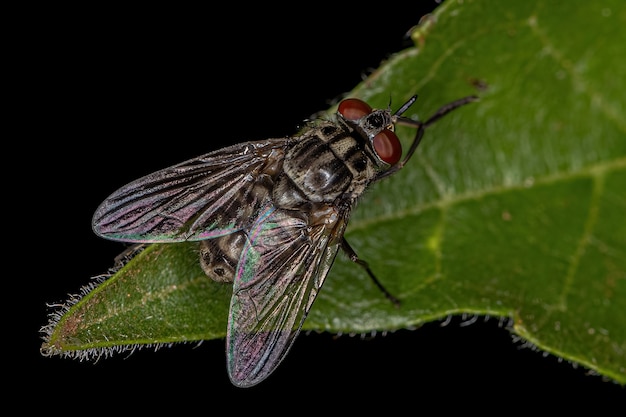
[(355, 258)]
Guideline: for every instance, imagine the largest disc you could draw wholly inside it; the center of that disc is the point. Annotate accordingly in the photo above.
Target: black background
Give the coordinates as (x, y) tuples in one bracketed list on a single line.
[(119, 93)]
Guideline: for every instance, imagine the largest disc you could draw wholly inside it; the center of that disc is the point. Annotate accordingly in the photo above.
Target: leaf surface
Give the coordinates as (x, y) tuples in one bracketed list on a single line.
[(513, 206)]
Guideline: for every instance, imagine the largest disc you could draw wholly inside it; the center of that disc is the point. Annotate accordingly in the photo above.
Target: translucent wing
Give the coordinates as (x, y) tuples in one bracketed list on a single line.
[(282, 268), (209, 196)]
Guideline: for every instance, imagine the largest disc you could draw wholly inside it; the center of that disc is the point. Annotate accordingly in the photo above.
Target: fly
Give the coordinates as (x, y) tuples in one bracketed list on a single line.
[(270, 218)]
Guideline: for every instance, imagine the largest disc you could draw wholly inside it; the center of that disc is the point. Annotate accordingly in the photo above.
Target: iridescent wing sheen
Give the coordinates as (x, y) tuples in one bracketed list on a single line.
[(209, 196), (282, 268)]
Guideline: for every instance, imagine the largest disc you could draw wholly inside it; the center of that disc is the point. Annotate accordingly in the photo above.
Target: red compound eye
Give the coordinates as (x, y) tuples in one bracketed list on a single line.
[(387, 146), (354, 109)]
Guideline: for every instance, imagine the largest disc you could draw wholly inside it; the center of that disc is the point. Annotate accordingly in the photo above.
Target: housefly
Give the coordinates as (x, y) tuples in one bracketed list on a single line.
[(269, 217)]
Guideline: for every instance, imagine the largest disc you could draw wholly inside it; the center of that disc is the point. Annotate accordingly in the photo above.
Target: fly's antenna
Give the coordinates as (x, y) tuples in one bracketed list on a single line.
[(405, 106)]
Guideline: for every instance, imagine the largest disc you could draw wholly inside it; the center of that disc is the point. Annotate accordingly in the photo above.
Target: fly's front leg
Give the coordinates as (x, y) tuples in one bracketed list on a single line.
[(421, 127), (355, 258)]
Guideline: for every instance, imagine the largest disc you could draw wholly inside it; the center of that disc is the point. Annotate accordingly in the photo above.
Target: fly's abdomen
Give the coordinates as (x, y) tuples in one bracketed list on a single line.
[(326, 164), (219, 256)]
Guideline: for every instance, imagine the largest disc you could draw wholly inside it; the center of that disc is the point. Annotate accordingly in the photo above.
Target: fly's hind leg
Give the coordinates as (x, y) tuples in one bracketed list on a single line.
[(355, 258)]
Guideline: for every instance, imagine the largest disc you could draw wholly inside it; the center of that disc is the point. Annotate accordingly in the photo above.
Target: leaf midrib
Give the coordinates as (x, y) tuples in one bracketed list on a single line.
[(449, 200)]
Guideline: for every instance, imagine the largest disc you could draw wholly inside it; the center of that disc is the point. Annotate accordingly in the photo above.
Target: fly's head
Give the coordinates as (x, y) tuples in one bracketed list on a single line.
[(375, 125)]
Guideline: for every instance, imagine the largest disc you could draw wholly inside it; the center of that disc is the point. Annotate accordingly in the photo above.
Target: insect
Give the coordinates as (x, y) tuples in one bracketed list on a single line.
[(270, 218)]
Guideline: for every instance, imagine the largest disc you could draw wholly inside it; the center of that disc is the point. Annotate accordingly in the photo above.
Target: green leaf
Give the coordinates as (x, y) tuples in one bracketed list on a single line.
[(513, 206)]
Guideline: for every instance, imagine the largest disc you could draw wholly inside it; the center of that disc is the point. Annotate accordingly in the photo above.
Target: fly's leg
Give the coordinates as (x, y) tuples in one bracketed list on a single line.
[(421, 127), (355, 258), (128, 254)]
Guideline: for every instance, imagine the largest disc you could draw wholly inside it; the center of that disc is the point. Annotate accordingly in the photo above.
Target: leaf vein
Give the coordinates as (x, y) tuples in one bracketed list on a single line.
[(449, 200), (577, 78), (585, 240)]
